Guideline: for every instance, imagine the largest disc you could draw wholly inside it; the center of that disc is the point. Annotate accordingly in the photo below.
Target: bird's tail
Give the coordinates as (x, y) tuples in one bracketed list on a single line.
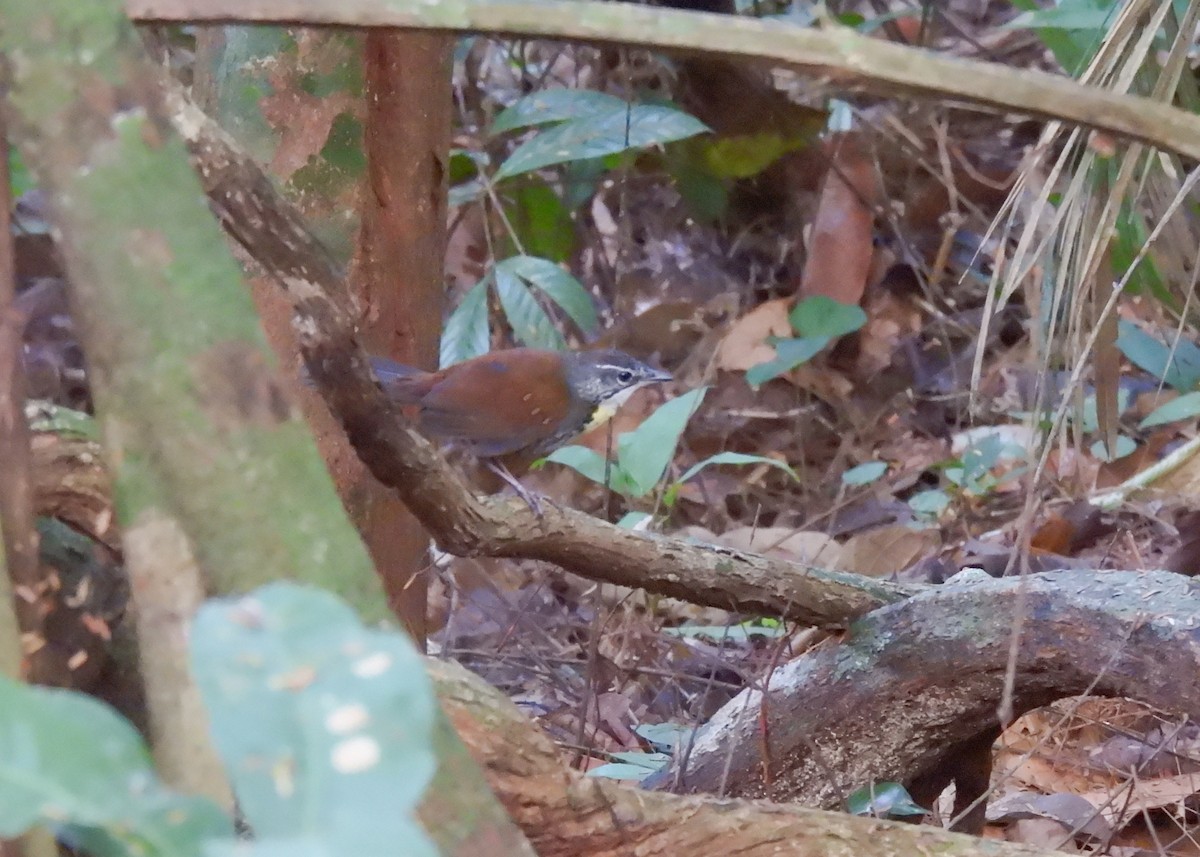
[(391, 375), (387, 370), (404, 385)]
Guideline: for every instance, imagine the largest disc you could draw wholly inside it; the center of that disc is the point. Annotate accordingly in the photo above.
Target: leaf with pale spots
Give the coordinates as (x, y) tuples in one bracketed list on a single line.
[(72, 764), (324, 725)]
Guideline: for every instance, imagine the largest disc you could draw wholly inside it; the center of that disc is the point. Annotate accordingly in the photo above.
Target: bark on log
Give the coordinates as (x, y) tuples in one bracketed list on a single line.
[(916, 682), (565, 814)]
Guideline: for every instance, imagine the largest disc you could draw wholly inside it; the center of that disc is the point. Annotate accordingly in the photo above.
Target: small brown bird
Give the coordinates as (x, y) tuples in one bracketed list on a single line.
[(512, 407)]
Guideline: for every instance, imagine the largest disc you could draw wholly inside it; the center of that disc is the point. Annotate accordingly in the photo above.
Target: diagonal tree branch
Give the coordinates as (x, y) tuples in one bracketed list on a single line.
[(273, 233), (836, 55), (460, 522)]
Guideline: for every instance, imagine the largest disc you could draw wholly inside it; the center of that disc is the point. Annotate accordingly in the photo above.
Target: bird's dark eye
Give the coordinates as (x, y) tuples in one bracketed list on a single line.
[(625, 376)]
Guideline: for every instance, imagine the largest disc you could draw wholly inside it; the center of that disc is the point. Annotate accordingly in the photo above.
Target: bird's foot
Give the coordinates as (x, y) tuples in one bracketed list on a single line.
[(532, 500)]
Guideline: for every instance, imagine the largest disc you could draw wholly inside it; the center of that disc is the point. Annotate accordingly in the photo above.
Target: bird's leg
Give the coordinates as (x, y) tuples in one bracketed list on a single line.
[(504, 473)]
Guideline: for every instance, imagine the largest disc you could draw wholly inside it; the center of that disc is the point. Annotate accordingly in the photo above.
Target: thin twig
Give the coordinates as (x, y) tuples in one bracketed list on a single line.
[(17, 518)]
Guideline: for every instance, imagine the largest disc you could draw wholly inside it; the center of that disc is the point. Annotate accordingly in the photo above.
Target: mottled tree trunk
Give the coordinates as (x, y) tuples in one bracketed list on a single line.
[(399, 263)]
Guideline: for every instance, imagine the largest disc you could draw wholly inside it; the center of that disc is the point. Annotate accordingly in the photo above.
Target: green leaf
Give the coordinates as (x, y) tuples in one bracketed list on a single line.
[(591, 465), (1125, 446), (706, 196), (581, 180), (1181, 371), (746, 155), (466, 334), (633, 520), (621, 771), (1184, 407), (665, 737), (881, 800), (558, 285), (465, 164), (49, 417), (325, 726), (929, 503), (736, 458), (865, 473), (554, 105), (344, 147), (467, 192), (20, 180), (529, 321), (646, 451), (978, 459), (789, 353), (821, 316), (741, 633), (464, 176), (541, 221), (601, 134), (1130, 237), (1090, 420), (1067, 16), (69, 761), (653, 761)]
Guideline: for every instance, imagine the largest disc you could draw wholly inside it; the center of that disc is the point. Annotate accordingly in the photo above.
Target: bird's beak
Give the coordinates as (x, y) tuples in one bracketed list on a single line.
[(660, 377)]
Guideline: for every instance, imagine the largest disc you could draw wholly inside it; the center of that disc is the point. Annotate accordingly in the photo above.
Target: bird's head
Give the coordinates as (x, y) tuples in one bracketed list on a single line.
[(608, 378)]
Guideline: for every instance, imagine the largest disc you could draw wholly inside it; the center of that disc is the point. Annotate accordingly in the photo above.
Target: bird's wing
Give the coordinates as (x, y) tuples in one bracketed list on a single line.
[(533, 398)]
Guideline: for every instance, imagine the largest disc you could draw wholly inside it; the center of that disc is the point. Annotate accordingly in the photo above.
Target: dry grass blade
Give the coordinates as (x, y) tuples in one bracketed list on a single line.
[(1070, 238)]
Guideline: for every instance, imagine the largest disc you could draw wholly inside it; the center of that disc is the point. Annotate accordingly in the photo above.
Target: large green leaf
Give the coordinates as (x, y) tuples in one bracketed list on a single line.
[(1071, 29), (324, 725), (466, 334), (646, 451), (739, 458), (1185, 407), (71, 762), (20, 180), (1179, 367), (789, 353), (558, 285), (529, 321), (1074, 15), (554, 105), (591, 465), (823, 316), (819, 320), (883, 800), (745, 155), (601, 134), (541, 220), (865, 473)]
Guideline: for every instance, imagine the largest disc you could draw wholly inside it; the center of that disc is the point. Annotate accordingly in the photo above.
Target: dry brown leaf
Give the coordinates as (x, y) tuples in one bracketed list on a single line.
[(1113, 473), (466, 248), (841, 246), (745, 345), (1186, 558), (890, 319), (1042, 833), (887, 550), (833, 387), (1147, 794), (803, 546), (1038, 773)]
